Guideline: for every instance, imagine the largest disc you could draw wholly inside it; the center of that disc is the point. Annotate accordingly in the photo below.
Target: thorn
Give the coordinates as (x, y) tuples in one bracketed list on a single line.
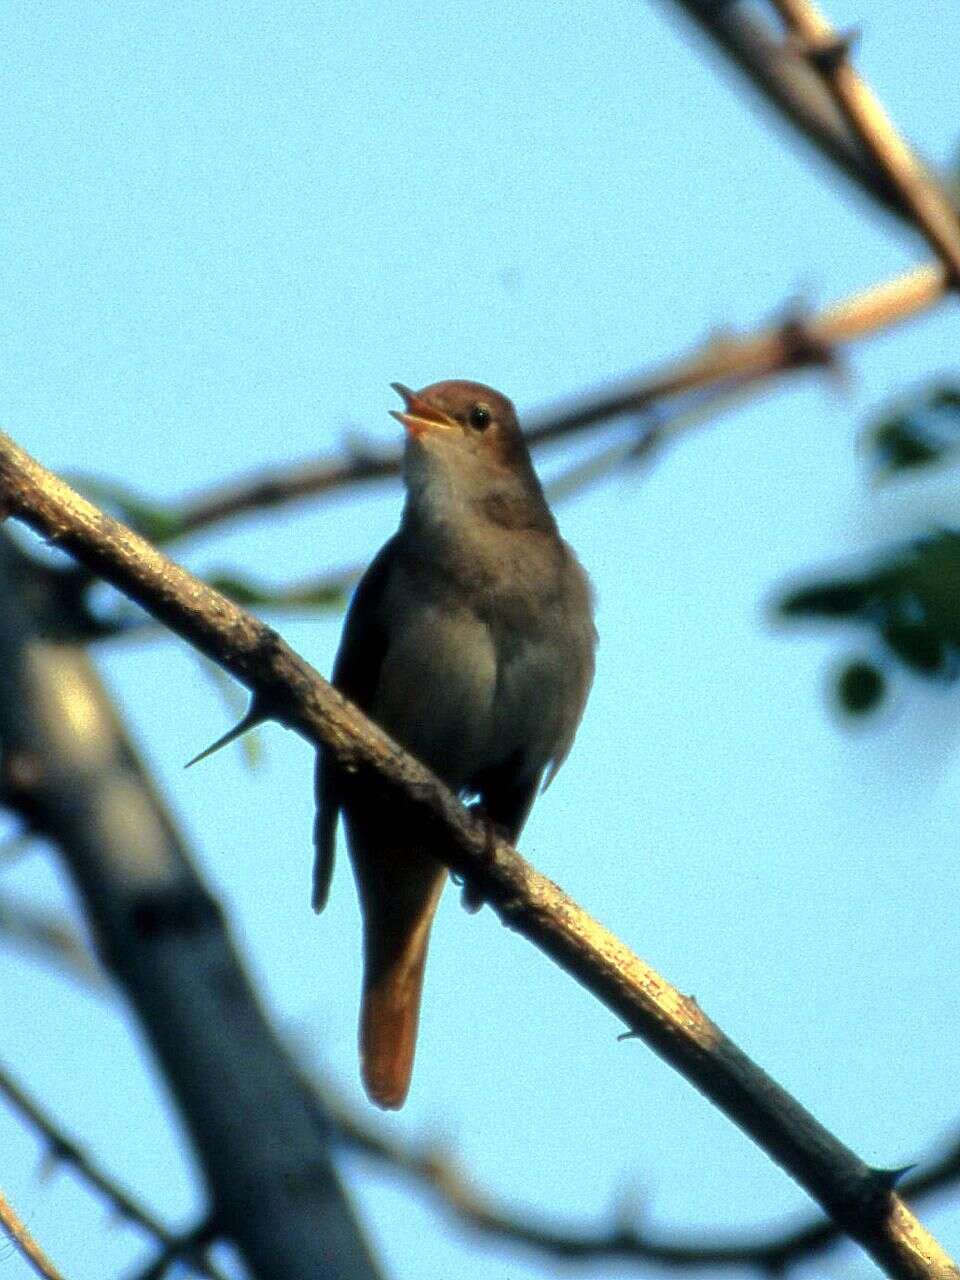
[(801, 348), (257, 715), (627, 1035), (890, 1178), (827, 54)]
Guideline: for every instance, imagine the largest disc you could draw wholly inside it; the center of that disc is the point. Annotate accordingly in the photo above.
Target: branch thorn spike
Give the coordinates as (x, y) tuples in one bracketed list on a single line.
[(257, 715)]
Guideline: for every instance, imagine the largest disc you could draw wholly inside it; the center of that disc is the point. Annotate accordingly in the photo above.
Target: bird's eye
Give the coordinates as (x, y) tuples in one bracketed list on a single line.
[(480, 417)]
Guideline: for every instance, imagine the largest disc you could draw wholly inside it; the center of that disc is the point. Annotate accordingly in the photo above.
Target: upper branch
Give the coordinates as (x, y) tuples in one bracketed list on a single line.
[(788, 83), (931, 208), (725, 365), (284, 685)]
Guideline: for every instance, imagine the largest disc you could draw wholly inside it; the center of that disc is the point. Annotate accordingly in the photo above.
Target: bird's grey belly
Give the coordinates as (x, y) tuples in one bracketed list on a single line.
[(461, 705), (531, 707), (437, 691)]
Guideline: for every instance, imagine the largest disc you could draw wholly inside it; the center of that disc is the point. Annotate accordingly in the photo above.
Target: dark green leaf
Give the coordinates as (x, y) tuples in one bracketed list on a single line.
[(909, 597), (326, 593), (837, 599), (918, 647), (898, 446), (925, 430), (860, 688)]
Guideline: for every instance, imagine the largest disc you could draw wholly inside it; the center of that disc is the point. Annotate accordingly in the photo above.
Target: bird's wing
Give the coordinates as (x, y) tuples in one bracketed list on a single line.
[(356, 673), (580, 661)]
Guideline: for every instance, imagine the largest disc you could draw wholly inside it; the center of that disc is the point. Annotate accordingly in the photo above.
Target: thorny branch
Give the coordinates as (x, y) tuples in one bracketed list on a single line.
[(788, 83), (286, 688), (625, 1239), (856, 151)]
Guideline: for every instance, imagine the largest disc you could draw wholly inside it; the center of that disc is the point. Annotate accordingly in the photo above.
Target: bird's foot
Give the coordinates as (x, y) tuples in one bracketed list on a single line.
[(472, 895)]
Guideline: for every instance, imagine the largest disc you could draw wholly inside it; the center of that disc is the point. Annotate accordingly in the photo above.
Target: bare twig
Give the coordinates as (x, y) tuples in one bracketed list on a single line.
[(189, 1245), (792, 87), (933, 211), (50, 938), (724, 364), (655, 431), (770, 1253), (286, 687), (282, 485), (63, 1149), (13, 1225)]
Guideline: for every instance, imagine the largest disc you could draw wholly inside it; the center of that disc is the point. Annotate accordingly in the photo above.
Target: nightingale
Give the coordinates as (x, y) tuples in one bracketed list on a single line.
[(470, 640)]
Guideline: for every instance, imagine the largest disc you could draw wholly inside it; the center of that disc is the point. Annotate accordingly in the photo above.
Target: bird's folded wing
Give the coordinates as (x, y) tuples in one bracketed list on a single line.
[(356, 672)]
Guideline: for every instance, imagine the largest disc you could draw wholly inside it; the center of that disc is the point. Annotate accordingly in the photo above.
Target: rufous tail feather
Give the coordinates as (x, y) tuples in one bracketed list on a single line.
[(395, 946)]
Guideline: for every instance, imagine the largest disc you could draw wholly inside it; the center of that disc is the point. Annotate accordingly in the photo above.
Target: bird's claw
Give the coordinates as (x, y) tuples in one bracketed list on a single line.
[(472, 895)]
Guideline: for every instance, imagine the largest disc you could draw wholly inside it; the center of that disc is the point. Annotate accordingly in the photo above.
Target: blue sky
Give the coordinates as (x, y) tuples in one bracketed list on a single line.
[(225, 231)]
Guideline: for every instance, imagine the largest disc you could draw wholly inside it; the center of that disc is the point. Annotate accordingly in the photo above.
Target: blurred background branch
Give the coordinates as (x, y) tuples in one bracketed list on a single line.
[(61, 1149), (72, 774), (627, 1238)]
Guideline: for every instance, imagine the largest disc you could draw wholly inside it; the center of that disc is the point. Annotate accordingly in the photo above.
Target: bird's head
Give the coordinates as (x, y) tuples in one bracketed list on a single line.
[(465, 449), (464, 418)]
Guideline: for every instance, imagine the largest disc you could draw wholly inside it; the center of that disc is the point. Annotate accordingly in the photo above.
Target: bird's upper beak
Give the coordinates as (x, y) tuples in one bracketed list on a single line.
[(420, 416)]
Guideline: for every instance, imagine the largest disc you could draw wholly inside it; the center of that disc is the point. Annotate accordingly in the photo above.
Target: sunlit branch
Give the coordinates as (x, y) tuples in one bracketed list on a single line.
[(16, 1229), (933, 211), (286, 688), (728, 362)]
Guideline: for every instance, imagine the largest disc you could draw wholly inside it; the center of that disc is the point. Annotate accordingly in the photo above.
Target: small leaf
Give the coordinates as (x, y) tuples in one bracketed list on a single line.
[(917, 646), (242, 590), (899, 447), (327, 593), (925, 430), (860, 688), (838, 599)]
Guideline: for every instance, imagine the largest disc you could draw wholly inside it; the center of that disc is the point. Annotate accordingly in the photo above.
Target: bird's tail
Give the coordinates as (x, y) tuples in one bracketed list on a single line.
[(398, 910)]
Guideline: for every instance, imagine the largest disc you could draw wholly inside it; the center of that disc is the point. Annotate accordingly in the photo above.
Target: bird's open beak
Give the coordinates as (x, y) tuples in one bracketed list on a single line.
[(420, 417)]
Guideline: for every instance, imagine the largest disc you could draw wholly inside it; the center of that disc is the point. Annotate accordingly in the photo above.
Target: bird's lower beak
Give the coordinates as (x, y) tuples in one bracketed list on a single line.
[(420, 417)]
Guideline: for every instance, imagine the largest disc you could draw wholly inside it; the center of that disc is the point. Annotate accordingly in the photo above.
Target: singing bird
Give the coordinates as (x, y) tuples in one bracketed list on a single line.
[(470, 640)]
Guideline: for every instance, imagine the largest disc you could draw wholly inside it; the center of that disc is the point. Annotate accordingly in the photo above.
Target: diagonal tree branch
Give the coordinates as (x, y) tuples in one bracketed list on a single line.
[(15, 1228), (931, 209), (786, 81), (858, 1197)]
